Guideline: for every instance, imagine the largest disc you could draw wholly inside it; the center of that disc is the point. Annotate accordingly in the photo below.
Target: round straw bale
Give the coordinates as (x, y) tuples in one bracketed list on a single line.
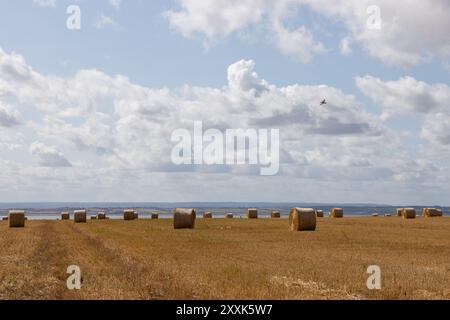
[(65, 216), (319, 213), (16, 218), (184, 218), (101, 216), (387, 214), (302, 219), (409, 213), (128, 214), (431, 212), (435, 213), (275, 214), (155, 215), (5, 218), (207, 215), (80, 216), (252, 213), (93, 217), (374, 214), (136, 215), (399, 212), (336, 213), (229, 216)]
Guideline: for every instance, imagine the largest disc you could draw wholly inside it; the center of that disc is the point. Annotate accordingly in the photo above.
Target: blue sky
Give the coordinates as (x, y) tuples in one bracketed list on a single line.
[(154, 50)]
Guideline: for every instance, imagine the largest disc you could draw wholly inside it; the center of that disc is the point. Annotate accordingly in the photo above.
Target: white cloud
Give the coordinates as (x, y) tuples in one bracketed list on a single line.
[(8, 116), (94, 134), (242, 77), (104, 21), (412, 32), (134, 135), (49, 156), (118, 132), (436, 129), (9, 141), (410, 97), (298, 44), (406, 95), (215, 18)]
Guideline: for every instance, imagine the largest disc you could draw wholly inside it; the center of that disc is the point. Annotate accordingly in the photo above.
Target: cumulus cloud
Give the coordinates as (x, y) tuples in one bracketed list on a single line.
[(116, 130), (410, 34), (215, 18), (48, 156), (298, 44), (428, 103), (133, 134), (9, 142), (242, 77), (8, 116), (436, 129), (95, 134), (406, 95)]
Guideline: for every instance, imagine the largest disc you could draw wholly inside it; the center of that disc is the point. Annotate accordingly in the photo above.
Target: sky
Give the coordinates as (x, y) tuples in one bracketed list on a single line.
[(87, 114)]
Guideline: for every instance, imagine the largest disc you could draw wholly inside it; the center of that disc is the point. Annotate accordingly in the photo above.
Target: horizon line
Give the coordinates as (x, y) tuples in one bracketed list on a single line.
[(218, 202)]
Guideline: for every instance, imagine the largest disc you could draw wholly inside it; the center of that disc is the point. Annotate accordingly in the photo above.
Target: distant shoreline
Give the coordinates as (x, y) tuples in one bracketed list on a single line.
[(56, 205), (219, 210)]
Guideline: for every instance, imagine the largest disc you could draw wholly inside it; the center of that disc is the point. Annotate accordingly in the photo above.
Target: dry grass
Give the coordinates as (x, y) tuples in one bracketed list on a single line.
[(227, 259)]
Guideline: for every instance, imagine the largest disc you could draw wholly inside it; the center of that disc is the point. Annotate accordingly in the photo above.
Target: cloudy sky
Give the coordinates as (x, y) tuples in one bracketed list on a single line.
[(87, 115)]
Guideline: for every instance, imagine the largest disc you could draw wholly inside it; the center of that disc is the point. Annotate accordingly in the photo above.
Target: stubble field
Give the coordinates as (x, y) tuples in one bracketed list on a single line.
[(227, 259)]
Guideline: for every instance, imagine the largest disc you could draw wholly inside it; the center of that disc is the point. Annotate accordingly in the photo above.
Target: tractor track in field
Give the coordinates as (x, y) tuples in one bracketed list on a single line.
[(119, 265), (48, 260), (31, 262)]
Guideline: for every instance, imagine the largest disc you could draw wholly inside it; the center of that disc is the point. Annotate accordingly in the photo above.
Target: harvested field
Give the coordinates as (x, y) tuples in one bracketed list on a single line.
[(227, 259)]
